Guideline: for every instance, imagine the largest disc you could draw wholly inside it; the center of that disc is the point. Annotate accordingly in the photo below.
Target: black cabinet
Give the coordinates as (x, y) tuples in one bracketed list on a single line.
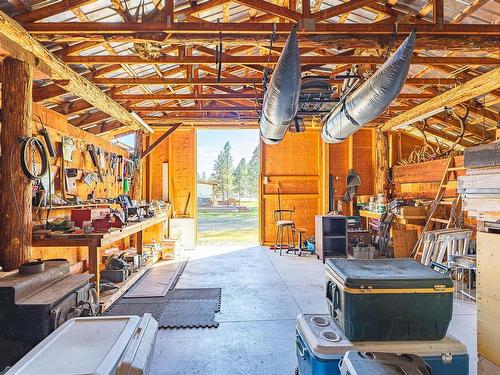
[(331, 236)]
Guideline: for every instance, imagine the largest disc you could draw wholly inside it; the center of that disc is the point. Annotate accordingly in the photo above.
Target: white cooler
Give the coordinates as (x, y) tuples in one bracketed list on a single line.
[(120, 345)]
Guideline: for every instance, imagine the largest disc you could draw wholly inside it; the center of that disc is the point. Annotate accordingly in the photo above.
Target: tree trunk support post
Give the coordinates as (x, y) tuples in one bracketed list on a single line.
[(15, 188), (382, 163)]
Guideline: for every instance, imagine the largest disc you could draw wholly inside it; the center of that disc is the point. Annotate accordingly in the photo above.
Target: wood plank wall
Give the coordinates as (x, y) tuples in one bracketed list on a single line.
[(179, 151), (356, 153), (295, 166), (57, 126)]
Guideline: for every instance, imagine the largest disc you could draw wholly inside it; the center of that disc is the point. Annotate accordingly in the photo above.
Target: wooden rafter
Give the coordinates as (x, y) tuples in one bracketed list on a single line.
[(262, 60), (271, 8), (74, 82), (51, 10), (337, 10), (459, 94), (249, 94), (468, 11), (235, 81), (160, 140), (123, 28)]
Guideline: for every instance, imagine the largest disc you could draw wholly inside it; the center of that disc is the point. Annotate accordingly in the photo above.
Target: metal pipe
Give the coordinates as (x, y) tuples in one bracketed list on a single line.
[(373, 96), (281, 100)]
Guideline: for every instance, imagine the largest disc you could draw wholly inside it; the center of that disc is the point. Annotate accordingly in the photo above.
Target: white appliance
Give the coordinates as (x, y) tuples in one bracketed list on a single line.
[(119, 345)]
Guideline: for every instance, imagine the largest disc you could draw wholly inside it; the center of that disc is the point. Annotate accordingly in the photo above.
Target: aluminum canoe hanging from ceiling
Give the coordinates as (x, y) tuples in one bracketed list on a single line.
[(372, 98), (281, 100)]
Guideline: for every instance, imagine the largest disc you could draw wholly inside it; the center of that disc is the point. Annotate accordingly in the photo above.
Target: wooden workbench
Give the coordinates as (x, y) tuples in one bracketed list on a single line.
[(400, 219), (95, 241)]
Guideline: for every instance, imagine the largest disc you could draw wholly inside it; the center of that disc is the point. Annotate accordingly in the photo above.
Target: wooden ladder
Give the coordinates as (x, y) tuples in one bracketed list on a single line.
[(456, 207)]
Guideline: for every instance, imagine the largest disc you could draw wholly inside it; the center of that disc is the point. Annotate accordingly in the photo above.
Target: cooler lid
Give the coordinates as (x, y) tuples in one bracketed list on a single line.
[(325, 347), (388, 273), (139, 352), (90, 346)]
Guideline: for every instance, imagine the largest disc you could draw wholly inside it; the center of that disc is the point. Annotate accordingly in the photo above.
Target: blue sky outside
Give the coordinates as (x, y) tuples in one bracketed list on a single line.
[(211, 142)]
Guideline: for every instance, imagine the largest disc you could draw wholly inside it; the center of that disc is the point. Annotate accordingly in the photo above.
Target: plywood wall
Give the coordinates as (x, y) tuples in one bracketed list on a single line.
[(58, 126), (295, 166), (179, 151), (182, 170), (356, 152)]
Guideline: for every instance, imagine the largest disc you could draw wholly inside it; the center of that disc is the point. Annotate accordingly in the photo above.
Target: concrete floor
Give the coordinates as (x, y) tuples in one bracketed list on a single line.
[(262, 294)]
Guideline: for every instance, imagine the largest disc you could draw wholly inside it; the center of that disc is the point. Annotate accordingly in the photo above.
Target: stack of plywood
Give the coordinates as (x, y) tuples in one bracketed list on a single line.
[(480, 187), (481, 191)]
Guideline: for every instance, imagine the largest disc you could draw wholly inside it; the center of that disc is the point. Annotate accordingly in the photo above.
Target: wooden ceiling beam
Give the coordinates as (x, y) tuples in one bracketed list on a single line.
[(52, 90), (271, 8), (17, 4), (451, 42), (438, 12), (89, 119), (263, 60), (160, 140), (237, 81), (50, 10), (205, 109), (468, 11), (164, 120), (459, 94), (79, 28), (76, 84), (337, 10), (236, 96)]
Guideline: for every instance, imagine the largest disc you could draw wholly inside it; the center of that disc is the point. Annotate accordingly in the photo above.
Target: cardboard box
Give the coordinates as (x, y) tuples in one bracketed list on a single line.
[(413, 211)]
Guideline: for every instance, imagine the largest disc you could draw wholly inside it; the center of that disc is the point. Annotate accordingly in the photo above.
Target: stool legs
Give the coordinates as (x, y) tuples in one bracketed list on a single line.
[(300, 244)]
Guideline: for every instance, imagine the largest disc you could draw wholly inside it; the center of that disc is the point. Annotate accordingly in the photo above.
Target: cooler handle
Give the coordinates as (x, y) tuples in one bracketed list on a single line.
[(336, 297), (329, 296), (301, 348)]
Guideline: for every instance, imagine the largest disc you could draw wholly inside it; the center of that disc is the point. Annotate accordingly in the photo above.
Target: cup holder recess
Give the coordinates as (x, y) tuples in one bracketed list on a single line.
[(320, 321)]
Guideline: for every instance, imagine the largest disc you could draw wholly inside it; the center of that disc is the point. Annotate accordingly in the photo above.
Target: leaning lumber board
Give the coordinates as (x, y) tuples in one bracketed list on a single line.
[(67, 77), (482, 156), (481, 205), (489, 181), (482, 171)]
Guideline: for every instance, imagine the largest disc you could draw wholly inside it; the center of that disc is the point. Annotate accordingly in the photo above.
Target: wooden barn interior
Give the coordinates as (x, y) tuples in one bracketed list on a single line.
[(377, 203)]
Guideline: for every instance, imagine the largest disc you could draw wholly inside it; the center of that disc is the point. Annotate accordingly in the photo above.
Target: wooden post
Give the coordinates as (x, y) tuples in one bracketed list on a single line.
[(382, 163), (137, 187), (15, 213)]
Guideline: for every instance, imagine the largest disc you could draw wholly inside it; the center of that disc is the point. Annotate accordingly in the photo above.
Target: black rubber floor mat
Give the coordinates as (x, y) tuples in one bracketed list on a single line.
[(195, 294), (189, 314), (155, 309), (146, 300)]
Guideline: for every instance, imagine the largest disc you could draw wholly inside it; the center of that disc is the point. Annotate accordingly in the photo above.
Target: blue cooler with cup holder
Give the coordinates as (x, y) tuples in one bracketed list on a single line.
[(320, 346)]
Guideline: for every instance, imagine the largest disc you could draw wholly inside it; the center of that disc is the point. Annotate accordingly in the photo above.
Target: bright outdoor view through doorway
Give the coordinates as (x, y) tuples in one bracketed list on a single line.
[(227, 186)]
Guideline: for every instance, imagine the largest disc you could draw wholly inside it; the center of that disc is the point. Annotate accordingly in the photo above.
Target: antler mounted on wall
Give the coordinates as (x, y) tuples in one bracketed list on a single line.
[(428, 151)]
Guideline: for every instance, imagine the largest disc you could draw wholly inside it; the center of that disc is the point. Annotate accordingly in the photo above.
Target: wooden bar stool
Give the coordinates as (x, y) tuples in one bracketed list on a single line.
[(299, 232), (284, 223)]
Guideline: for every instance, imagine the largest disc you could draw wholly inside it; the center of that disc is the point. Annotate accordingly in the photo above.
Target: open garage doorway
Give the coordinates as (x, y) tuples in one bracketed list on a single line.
[(227, 186)]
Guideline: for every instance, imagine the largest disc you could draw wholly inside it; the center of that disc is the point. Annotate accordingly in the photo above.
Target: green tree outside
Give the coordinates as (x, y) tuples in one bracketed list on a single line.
[(241, 178), (223, 173), (253, 172)]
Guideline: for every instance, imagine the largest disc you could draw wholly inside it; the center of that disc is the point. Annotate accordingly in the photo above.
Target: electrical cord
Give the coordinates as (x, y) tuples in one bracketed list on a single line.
[(33, 143)]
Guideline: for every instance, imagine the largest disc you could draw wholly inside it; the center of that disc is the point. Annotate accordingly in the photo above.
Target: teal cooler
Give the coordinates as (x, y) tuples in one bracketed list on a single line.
[(321, 345), (388, 299)]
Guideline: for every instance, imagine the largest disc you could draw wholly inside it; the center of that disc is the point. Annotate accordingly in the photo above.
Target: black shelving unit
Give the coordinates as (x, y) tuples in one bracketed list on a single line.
[(331, 236)]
